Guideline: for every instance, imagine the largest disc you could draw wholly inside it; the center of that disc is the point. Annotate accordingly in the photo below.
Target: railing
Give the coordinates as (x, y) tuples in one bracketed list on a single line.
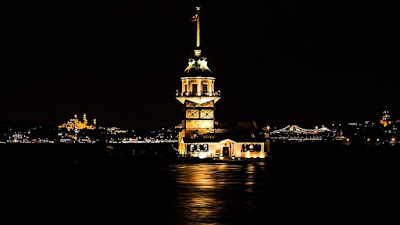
[(200, 94)]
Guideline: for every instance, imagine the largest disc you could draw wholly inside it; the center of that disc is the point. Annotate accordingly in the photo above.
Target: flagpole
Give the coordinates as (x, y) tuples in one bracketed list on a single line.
[(198, 28)]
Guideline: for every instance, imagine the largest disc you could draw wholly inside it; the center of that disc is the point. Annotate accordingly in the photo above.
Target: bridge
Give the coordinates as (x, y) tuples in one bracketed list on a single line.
[(294, 129), (296, 133)]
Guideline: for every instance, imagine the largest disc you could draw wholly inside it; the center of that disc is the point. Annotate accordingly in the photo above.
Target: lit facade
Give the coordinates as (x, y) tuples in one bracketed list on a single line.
[(201, 136), (76, 125)]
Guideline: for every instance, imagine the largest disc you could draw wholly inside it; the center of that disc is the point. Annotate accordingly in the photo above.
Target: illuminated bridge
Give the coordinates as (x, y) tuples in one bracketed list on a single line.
[(296, 133)]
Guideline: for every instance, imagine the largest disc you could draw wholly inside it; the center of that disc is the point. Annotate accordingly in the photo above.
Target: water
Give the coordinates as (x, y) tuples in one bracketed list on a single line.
[(218, 193), (300, 183)]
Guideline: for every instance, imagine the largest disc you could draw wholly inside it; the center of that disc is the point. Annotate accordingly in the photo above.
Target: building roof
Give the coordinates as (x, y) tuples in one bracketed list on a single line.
[(237, 126)]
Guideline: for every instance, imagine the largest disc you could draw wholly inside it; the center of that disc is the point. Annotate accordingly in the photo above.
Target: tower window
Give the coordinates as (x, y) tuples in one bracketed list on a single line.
[(194, 88), (204, 88)]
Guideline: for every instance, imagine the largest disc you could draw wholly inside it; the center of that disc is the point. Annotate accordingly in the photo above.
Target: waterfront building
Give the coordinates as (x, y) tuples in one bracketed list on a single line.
[(201, 135)]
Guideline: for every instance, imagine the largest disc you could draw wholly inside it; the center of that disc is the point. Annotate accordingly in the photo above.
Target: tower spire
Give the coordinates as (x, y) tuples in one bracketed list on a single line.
[(197, 63)]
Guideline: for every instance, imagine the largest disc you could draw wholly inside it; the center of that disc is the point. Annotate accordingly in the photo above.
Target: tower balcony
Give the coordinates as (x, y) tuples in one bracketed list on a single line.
[(198, 94)]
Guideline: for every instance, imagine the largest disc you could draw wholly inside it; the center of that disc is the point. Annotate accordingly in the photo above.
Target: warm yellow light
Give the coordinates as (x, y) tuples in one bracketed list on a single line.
[(202, 155), (197, 52)]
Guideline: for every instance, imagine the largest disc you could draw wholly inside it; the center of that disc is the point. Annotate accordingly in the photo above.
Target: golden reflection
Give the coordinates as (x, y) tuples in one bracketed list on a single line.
[(198, 200), (204, 190), (199, 177), (250, 178)]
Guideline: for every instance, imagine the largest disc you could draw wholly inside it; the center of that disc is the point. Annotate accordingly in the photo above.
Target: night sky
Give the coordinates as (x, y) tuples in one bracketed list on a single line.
[(276, 62)]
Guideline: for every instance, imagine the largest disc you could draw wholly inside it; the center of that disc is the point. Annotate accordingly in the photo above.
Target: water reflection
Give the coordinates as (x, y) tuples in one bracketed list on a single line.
[(216, 193), (250, 178)]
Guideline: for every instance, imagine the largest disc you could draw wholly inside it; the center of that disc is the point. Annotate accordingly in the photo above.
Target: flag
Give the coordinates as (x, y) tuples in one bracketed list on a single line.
[(195, 18)]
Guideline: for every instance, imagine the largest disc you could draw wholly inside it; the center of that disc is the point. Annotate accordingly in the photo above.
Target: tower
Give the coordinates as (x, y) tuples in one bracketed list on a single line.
[(84, 119), (197, 94), (385, 120)]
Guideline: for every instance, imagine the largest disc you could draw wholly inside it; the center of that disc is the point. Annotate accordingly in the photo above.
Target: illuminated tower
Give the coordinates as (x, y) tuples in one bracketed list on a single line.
[(84, 119), (385, 120), (197, 94)]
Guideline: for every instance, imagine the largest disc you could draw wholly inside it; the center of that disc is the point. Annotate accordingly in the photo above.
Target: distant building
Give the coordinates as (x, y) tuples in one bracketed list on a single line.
[(76, 125), (201, 136), (385, 119)]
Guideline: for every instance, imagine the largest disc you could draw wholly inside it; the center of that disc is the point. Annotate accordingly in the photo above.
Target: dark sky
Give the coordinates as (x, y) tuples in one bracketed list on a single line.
[(279, 62)]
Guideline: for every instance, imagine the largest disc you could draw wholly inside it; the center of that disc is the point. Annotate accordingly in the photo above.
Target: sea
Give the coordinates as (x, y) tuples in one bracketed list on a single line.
[(303, 183)]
